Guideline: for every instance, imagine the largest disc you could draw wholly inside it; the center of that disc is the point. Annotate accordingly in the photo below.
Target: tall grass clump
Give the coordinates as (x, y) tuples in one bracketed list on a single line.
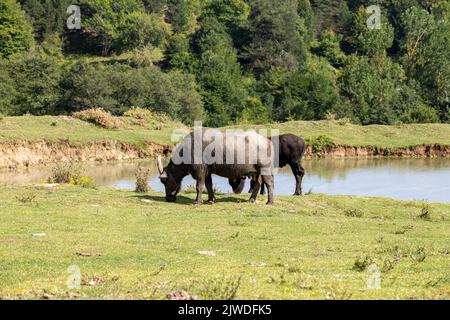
[(98, 117), (65, 173), (425, 212), (145, 117), (142, 176), (221, 288)]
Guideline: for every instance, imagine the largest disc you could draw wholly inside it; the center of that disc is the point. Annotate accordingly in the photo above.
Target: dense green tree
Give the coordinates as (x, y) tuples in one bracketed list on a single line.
[(16, 33), (36, 77), (328, 47), (307, 94), (47, 16), (230, 13), (331, 15), (103, 21), (276, 36), (427, 57), (368, 41), (219, 73), (183, 14), (118, 87), (378, 92), (7, 88), (140, 29), (178, 53), (227, 61)]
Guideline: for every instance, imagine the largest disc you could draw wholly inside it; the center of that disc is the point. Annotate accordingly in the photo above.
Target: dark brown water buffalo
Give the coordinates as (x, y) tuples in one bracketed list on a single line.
[(291, 150), (209, 151)]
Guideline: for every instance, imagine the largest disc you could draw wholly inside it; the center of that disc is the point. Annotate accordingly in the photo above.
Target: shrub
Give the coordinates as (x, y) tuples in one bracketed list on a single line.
[(99, 117), (361, 263), (84, 182), (65, 173), (319, 143), (139, 113), (142, 175), (419, 254), (354, 213), (221, 288), (425, 212), (145, 117)]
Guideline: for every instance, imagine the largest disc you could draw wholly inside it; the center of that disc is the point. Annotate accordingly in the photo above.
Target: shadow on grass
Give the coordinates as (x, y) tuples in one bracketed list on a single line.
[(182, 199)]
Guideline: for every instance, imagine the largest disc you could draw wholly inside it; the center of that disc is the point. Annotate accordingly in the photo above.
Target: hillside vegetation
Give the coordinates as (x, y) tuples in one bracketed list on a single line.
[(229, 61), (141, 131), (129, 245)]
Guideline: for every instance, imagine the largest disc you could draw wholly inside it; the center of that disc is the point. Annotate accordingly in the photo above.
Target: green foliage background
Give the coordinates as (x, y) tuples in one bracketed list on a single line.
[(229, 61)]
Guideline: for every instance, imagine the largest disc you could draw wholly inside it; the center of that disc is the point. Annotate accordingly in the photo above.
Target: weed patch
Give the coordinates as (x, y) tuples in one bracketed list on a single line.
[(355, 213), (221, 288)]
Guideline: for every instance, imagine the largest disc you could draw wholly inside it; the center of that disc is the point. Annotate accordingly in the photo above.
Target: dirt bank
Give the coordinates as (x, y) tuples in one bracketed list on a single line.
[(420, 151), (24, 153)]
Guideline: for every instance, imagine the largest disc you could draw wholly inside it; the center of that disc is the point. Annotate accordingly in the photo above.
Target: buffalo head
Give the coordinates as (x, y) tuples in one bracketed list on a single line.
[(168, 179), (237, 184)]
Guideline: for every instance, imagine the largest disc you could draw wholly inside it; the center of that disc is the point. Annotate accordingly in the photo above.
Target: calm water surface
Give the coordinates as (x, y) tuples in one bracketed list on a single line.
[(409, 179)]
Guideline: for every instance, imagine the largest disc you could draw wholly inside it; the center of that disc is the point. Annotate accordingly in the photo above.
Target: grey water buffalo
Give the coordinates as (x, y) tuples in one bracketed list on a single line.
[(209, 151), (291, 150)]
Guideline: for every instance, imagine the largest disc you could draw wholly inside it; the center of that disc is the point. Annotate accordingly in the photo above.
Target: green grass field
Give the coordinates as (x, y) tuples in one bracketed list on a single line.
[(32, 128), (135, 246)]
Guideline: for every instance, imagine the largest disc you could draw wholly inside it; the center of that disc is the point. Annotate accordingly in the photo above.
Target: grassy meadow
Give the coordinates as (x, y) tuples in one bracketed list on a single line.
[(54, 129), (137, 246)]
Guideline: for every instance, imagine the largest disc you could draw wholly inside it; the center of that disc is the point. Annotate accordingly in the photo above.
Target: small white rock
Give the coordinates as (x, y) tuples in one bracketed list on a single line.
[(207, 253)]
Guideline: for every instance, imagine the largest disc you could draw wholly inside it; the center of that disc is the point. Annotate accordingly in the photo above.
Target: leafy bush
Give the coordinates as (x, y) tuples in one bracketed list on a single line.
[(65, 173), (99, 117), (321, 142), (84, 182)]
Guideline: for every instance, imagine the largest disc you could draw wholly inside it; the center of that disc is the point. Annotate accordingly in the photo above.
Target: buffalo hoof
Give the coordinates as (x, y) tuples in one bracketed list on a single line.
[(297, 194), (198, 203), (269, 203), (211, 201), (252, 200)]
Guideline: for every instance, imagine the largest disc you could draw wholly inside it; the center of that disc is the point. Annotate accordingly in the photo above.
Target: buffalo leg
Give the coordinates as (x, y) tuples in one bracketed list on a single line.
[(263, 190), (268, 181), (200, 187), (209, 187), (299, 172), (255, 190), (252, 185)]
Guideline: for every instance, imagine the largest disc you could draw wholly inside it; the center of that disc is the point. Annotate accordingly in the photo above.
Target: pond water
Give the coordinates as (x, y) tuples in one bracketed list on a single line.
[(409, 179)]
